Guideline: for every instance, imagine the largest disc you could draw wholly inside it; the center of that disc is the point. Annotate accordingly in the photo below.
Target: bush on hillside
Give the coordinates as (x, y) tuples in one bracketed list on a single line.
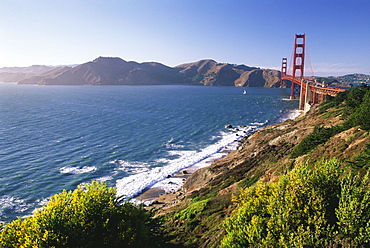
[(362, 160), (351, 99), (89, 216), (309, 207), (360, 115), (319, 136), (354, 97), (356, 113)]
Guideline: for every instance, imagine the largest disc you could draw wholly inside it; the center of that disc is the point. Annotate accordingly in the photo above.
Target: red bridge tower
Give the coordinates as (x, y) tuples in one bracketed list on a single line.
[(283, 73), (298, 63), (303, 89)]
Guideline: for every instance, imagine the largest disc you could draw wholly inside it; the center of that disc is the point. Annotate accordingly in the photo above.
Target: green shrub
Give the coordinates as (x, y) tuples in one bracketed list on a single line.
[(354, 97), (89, 216), (331, 102), (191, 211), (309, 207), (354, 209), (197, 78), (360, 116), (363, 159), (319, 136), (356, 113)]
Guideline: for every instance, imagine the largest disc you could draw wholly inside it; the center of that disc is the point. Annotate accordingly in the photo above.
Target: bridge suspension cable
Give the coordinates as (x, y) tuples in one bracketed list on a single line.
[(309, 62), (303, 88)]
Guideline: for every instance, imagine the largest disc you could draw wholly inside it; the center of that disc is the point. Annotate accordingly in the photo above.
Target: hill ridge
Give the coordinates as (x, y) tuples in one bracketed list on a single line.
[(116, 71)]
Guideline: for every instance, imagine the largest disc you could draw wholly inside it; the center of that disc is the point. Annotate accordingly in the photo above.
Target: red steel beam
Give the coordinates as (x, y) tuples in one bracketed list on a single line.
[(283, 72), (298, 62)]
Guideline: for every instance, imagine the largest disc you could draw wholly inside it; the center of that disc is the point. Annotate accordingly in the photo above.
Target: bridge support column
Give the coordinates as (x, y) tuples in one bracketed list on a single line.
[(303, 95), (298, 63), (283, 72), (315, 97), (308, 99), (321, 98)]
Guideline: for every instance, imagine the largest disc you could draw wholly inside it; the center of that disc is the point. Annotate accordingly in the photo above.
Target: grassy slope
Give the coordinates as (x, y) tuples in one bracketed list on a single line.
[(205, 202)]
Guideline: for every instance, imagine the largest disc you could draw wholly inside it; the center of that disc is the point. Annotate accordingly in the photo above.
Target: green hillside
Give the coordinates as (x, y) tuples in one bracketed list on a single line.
[(299, 183)]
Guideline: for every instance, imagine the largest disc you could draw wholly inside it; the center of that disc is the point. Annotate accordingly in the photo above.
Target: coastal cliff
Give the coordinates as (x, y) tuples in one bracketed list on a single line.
[(196, 214)]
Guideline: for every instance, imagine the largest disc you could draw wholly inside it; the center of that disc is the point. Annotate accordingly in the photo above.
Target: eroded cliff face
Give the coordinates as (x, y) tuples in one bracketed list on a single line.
[(262, 156)]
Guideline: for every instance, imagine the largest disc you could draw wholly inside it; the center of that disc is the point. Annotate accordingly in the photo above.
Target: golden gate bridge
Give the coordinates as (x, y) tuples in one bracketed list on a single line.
[(305, 89)]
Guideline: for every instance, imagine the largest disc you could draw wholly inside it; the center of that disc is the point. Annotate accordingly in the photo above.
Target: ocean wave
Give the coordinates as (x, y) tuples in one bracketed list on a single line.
[(259, 123), (171, 144), (162, 160), (131, 167), (289, 115), (174, 146), (169, 185), (104, 179), (77, 170), (181, 153), (13, 205), (135, 184)]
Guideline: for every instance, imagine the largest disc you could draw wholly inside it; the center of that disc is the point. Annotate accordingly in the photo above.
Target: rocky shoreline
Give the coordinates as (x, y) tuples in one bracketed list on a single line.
[(157, 197), (194, 178)]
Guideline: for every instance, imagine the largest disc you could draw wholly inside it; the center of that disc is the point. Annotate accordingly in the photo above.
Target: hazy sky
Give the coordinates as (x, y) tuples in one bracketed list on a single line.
[(172, 32)]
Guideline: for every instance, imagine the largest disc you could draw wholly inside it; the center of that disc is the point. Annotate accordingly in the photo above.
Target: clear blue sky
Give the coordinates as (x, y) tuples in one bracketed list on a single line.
[(172, 32)]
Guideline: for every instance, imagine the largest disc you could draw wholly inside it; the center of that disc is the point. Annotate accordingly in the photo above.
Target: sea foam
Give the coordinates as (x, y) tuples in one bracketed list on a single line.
[(77, 170), (12, 204), (162, 176)]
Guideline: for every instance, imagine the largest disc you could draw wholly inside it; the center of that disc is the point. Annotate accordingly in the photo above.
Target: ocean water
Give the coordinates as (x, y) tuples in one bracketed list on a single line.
[(132, 137)]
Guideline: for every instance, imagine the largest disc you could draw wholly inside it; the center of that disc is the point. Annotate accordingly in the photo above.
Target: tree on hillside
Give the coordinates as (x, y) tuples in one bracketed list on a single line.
[(356, 110), (89, 216), (360, 117)]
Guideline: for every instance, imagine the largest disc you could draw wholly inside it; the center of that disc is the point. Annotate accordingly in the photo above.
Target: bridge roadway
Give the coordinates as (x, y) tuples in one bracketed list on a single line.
[(311, 92)]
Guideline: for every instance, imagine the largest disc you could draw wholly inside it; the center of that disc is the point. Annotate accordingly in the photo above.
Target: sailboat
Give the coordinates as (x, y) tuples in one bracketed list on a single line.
[(244, 92)]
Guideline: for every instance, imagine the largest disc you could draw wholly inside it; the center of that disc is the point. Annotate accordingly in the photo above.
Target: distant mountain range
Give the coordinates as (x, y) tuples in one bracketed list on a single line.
[(116, 71), (15, 74), (353, 79)]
